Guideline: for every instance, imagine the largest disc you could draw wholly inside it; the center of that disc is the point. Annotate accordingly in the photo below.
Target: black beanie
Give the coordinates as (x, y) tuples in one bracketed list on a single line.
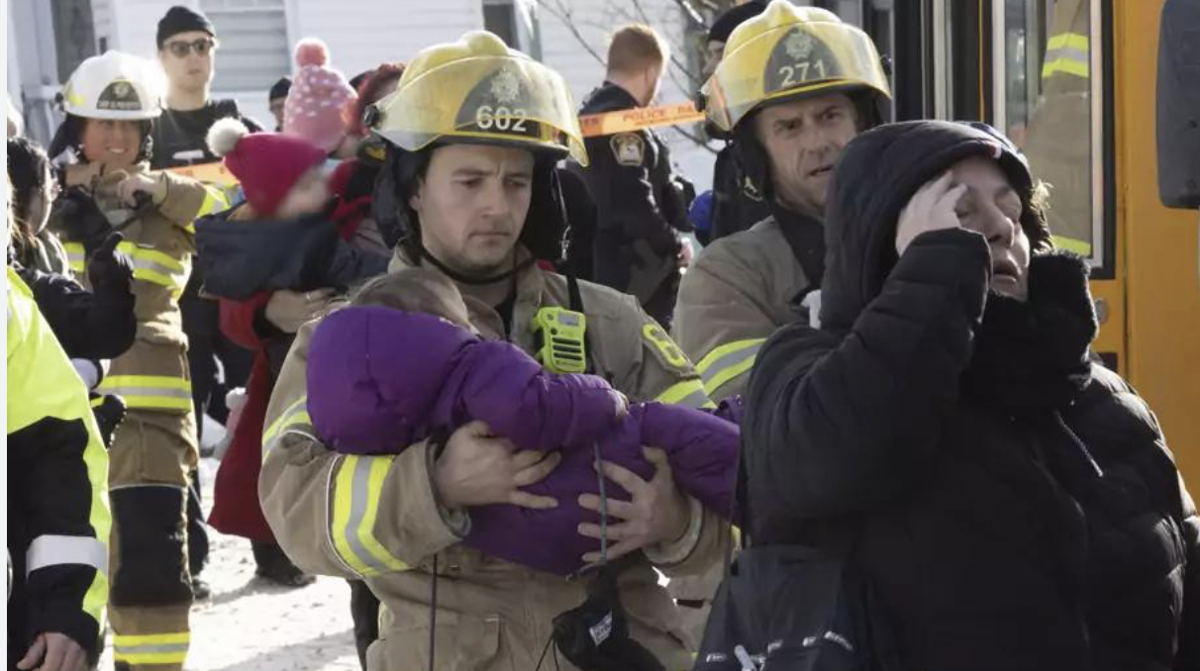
[(723, 27), (182, 20), (280, 89)]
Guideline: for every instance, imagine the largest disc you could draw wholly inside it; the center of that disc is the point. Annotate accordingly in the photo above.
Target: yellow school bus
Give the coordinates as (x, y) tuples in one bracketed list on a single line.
[(1073, 83)]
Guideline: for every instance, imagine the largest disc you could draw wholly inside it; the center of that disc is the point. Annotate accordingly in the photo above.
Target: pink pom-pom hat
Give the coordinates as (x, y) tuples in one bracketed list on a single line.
[(319, 96)]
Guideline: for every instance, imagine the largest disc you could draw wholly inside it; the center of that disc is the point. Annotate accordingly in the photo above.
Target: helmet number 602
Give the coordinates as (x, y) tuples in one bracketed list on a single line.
[(797, 73), (501, 118)]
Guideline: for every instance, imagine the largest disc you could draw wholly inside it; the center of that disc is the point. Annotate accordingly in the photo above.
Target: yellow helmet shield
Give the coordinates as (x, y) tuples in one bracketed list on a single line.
[(788, 52), (478, 89)]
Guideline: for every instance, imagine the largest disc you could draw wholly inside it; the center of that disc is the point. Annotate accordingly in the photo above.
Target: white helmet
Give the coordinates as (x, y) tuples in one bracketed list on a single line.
[(115, 86)]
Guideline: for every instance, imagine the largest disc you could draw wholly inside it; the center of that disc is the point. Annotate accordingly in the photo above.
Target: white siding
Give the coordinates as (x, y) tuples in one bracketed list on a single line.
[(363, 33), (136, 24), (374, 31), (102, 22)]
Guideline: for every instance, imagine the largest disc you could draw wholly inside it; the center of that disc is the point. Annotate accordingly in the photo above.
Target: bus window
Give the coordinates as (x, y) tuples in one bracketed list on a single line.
[(1047, 103)]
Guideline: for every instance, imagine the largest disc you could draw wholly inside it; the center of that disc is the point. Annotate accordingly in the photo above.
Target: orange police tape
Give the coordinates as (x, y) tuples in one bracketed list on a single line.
[(624, 121), (609, 123)]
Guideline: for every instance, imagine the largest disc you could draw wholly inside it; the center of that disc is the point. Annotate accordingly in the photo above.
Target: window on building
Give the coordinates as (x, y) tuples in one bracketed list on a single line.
[(500, 17), (515, 22), (74, 34), (254, 51)]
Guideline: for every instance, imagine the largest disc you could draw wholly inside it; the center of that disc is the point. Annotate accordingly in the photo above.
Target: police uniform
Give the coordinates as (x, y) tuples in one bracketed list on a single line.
[(378, 518), (58, 514), (155, 447), (641, 209)]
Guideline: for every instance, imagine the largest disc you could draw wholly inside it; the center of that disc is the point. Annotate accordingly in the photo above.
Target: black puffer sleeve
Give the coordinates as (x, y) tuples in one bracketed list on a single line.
[(839, 425), (100, 324)]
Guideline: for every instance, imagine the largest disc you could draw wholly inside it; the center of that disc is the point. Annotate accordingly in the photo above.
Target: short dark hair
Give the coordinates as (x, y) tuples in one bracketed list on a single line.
[(636, 48)]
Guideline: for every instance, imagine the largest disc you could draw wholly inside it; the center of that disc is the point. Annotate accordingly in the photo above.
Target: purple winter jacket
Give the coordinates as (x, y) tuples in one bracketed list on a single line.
[(381, 379)]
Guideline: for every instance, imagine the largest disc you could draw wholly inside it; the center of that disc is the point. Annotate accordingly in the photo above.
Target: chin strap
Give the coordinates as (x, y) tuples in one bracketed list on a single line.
[(474, 281)]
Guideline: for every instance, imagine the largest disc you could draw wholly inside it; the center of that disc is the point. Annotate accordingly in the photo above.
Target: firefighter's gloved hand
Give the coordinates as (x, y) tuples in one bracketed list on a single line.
[(109, 267), (674, 199), (109, 415), (80, 219)]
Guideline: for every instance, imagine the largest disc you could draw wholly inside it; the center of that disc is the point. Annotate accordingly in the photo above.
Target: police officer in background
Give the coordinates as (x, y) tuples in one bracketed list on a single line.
[(187, 45), (641, 205), (737, 203)]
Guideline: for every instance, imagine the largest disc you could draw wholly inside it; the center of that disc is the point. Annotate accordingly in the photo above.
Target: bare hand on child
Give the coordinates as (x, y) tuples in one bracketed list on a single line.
[(657, 511), (477, 469), (289, 310)]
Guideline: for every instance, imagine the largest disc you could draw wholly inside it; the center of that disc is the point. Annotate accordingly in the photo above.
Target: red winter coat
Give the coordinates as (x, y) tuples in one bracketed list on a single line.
[(236, 509)]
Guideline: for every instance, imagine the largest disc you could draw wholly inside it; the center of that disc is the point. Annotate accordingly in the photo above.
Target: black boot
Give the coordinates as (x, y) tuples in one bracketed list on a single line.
[(275, 566)]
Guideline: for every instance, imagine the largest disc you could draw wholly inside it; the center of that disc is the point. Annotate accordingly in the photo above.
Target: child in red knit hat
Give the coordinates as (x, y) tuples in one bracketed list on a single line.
[(282, 237), (280, 174)]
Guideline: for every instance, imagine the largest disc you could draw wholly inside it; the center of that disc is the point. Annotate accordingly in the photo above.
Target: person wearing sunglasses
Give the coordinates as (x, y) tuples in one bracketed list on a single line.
[(187, 46)]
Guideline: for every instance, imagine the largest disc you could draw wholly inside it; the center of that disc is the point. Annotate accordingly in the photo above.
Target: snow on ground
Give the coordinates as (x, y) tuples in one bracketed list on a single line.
[(252, 625)]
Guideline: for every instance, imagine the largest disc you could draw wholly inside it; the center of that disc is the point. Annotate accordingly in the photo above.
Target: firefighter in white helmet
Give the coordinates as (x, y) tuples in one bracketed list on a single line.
[(110, 101)]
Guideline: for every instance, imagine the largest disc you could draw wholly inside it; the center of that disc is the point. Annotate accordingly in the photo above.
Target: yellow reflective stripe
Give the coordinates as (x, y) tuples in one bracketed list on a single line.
[(727, 362), (76, 256), (689, 393), (375, 477), (160, 381), (357, 489), (214, 201), (1080, 247), (152, 639), (1068, 66), (152, 649), (1068, 41), (97, 402), (152, 255), (156, 392), (661, 341), (151, 265), (1067, 53), (295, 415)]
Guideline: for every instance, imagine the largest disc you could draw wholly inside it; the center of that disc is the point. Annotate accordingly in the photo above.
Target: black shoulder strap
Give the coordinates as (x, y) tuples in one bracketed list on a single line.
[(575, 303)]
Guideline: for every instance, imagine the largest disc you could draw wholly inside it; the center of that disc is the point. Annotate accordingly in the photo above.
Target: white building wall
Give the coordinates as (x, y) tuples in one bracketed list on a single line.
[(102, 23), (364, 33)]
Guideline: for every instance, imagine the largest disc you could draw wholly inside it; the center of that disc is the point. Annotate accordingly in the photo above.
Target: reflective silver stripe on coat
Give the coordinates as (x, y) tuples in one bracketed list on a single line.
[(51, 550), (360, 498)]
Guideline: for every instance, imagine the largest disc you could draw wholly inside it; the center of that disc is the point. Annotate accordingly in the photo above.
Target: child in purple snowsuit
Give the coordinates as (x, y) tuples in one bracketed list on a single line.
[(403, 362)]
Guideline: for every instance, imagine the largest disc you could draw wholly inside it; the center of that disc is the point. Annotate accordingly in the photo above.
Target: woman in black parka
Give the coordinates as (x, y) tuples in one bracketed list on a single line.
[(1019, 506)]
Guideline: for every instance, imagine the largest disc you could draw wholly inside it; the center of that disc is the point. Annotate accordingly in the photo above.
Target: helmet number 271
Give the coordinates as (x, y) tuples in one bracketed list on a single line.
[(797, 73)]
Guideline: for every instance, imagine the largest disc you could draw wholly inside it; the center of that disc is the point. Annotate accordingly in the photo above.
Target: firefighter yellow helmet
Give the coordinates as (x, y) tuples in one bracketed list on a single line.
[(115, 86), (789, 52), (479, 90)]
